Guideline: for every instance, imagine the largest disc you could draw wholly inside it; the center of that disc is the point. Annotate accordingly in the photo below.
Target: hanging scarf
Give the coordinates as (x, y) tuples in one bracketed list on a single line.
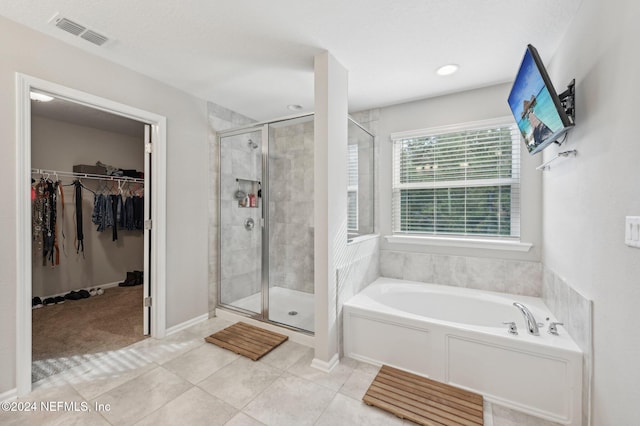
[(79, 232)]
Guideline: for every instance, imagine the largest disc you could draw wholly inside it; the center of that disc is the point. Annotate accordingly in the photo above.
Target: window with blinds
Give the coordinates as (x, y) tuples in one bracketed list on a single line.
[(352, 188), (458, 181)]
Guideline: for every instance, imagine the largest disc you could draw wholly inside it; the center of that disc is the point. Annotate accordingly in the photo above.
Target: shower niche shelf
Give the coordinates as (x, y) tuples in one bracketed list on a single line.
[(248, 193)]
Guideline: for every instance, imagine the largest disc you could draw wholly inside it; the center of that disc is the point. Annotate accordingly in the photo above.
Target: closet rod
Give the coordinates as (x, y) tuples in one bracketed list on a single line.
[(86, 176)]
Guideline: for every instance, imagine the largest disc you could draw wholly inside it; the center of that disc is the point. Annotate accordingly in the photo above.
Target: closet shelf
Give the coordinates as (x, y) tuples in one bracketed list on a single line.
[(57, 173)]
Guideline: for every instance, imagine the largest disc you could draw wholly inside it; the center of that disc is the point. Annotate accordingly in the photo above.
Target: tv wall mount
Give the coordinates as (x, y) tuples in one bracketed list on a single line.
[(567, 100)]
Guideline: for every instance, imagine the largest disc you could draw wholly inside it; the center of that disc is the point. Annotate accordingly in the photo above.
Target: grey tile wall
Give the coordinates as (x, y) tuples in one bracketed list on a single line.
[(576, 312), (220, 119), (291, 207), (360, 267), (241, 248), (505, 276)]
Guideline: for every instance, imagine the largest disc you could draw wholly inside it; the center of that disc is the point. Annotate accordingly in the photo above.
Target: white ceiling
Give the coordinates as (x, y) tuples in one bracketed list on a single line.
[(256, 56)]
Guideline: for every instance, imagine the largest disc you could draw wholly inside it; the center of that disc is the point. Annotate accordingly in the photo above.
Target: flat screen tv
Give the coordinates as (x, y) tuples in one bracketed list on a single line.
[(538, 110)]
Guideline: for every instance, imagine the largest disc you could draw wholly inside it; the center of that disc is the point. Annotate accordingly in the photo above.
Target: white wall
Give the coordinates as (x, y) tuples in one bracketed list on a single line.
[(58, 145), (330, 201), (586, 198), (474, 105), (187, 164)]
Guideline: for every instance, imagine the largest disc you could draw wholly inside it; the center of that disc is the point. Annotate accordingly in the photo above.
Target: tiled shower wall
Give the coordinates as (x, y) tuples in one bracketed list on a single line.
[(291, 207), (220, 119), (241, 256)]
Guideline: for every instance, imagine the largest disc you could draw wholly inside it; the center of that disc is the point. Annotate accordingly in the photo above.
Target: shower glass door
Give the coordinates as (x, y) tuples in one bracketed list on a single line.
[(290, 223), (241, 221)]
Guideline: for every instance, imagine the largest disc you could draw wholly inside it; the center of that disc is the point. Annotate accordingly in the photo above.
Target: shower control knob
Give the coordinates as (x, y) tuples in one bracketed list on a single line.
[(249, 224)]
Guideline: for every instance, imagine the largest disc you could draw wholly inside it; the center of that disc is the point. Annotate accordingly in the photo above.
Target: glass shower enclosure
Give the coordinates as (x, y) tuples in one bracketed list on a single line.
[(266, 253), (266, 222)]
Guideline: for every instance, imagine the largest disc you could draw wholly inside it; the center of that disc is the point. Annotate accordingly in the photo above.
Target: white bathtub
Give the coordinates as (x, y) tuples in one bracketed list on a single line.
[(456, 336)]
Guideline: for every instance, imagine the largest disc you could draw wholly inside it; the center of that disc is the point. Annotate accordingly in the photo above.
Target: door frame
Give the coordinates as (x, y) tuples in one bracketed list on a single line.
[(24, 85)]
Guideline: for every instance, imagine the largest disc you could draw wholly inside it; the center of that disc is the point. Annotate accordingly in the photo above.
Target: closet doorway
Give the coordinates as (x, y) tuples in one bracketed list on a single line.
[(99, 272)]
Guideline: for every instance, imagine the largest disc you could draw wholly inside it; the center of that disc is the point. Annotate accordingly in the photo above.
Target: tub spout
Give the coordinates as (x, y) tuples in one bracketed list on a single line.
[(532, 325)]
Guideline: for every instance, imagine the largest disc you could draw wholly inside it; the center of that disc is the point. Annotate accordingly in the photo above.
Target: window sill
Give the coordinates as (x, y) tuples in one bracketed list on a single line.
[(504, 245), (362, 238)]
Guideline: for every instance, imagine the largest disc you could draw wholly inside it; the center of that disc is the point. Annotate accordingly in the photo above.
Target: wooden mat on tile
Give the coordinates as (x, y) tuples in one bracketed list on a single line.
[(422, 400), (247, 340)]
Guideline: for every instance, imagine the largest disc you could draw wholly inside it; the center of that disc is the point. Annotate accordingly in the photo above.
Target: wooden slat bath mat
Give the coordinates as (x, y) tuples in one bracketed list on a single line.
[(247, 340), (422, 400)]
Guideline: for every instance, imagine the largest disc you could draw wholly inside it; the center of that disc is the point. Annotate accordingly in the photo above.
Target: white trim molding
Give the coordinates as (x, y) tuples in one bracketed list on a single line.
[(24, 85), (471, 125), (9, 395), (326, 367), (184, 325)]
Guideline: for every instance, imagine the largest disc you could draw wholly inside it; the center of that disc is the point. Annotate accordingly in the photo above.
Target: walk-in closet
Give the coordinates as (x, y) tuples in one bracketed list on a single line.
[(88, 244)]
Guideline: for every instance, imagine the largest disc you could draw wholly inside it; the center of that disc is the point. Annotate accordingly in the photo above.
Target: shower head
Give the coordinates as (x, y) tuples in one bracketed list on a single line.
[(252, 144)]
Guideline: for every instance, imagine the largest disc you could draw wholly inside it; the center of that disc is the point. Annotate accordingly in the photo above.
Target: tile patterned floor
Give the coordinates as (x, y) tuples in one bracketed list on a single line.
[(183, 380)]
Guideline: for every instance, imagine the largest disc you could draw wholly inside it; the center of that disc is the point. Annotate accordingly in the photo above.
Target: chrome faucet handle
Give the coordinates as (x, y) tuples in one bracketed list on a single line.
[(553, 329), (512, 327)]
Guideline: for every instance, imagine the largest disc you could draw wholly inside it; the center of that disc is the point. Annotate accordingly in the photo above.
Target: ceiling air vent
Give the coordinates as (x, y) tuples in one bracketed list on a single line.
[(76, 29), (94, 37), (69, 26)]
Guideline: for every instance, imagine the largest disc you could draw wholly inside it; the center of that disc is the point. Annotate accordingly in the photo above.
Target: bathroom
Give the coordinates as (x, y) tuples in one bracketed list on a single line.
[(512, 268), (573, 215)]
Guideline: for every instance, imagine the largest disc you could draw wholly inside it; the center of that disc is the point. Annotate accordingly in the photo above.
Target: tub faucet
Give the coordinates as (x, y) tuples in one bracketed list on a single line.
[(532, 325)]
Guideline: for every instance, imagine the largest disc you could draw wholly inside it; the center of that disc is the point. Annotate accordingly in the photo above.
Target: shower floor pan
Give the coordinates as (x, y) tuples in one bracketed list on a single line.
[(290, 307)]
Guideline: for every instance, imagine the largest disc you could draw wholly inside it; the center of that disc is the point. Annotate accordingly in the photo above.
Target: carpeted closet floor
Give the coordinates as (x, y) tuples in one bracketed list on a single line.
[(97, 324)]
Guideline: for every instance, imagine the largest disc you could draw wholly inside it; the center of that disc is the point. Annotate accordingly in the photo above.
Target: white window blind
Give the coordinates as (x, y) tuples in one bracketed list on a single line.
[(459, 181), (352, 188)]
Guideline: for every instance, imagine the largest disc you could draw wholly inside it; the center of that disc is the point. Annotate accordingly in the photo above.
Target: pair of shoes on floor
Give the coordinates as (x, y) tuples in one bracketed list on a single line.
[(36, 303), (52, 300), (76, 295), (96, 291), (133, 278)]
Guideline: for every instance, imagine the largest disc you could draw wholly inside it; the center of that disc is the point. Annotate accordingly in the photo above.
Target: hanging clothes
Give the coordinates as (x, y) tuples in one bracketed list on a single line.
[(138, 212), (109, 211), (97, 217), (64, 237), (37, 215), (44, 215), (79, 232), (128, 214), (116, 200)]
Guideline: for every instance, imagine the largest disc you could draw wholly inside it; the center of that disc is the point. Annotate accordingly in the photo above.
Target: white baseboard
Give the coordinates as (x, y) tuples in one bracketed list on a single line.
[(186, 324), (9, 395), (325, 366)]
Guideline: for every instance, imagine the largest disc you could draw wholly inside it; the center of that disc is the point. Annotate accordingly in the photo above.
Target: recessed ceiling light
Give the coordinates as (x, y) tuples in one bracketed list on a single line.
[(40, 97), (294, 107), (447, 69)]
